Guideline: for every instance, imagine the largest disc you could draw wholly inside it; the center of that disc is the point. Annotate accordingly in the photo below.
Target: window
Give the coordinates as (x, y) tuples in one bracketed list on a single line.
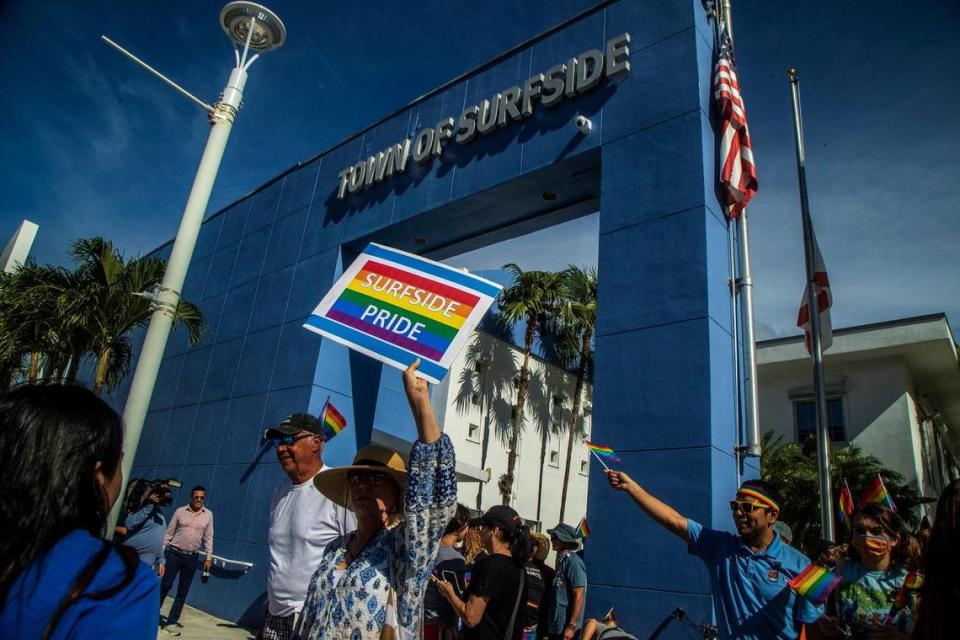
[(584, 467), (516, 382), (473, 433), (475, 398), (554, 458), (804, 414), (558, 401), (479, 367)]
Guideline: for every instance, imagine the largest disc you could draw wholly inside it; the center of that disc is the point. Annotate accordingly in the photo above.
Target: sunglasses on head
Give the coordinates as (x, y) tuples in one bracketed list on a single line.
[(288, 440), (746, 507), (372, 478)]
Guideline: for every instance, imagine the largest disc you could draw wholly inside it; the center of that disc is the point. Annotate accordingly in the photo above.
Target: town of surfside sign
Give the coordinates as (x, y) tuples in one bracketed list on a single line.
[(574, 77)]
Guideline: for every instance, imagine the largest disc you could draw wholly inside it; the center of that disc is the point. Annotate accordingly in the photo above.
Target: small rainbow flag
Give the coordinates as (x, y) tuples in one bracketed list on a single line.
[(815, 583), (912, 582), (603, 451), (877, 493), (846, 504), (332, 421), (583, 530)]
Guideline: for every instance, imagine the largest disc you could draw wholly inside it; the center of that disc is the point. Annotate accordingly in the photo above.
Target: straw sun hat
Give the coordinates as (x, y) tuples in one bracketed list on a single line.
[(333, 482)]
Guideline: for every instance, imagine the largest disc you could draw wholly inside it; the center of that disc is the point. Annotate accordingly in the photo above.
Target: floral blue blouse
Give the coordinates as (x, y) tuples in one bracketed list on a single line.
[(353, 606)]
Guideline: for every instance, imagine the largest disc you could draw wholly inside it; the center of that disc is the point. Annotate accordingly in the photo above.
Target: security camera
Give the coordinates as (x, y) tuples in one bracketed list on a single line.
[(584, 125)]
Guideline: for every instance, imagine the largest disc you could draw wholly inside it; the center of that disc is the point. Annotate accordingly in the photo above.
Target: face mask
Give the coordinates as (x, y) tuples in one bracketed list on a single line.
[(872, 546)]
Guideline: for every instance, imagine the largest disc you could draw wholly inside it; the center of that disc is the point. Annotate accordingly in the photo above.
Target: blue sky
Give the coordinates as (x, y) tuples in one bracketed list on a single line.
[(92, 145)]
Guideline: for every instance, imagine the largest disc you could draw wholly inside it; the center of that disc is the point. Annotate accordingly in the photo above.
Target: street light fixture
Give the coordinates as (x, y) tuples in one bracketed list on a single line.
[(250, 26)]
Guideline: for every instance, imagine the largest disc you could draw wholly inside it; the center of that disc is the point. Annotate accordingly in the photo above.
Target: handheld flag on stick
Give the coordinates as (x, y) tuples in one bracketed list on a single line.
[(815, 583), (332, 421), (912, 582), (846, 504), (877, 493), (583, 530), (601, 452), (610, 618)]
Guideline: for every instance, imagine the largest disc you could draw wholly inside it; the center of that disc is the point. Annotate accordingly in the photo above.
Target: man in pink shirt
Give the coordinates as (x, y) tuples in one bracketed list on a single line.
[(189, 526)]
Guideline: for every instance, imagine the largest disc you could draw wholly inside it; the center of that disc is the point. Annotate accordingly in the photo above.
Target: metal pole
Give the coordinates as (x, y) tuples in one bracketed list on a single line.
[(751, 411), (167, 296), (820, 404)]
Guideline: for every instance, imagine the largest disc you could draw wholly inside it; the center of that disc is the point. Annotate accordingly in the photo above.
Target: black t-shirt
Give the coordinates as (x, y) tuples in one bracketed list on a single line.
[(534, 600), (498, 578)]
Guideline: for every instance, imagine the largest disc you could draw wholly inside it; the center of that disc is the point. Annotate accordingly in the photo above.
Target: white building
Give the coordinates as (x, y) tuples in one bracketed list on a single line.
[(475, 403), (893, 388)]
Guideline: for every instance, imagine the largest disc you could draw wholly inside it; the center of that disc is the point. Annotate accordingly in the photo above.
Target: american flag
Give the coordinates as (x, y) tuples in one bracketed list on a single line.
[(738, 173), (824, 302)]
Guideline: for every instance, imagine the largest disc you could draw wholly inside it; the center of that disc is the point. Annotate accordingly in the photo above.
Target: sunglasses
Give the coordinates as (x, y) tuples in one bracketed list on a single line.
[(372, 478), (288, 440), (746, 507)]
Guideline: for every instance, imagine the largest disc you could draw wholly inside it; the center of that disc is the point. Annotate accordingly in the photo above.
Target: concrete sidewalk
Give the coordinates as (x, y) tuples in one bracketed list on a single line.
[(198, 625)]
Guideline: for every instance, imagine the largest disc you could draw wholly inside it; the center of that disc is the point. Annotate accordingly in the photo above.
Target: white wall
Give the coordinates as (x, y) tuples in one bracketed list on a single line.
[(879, 410), (485, 398)]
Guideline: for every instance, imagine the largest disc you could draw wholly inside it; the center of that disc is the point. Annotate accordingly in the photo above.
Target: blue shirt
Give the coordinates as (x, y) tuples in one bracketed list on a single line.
[(37, 593), (750, 589), (145, 529), (571, 573)]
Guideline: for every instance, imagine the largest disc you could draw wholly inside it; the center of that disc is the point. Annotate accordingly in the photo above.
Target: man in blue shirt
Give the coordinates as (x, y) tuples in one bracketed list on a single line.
[(749, 571), (569, 587)]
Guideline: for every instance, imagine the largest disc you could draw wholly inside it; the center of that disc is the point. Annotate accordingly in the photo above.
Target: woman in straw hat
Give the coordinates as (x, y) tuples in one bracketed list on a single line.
[(370, 582)]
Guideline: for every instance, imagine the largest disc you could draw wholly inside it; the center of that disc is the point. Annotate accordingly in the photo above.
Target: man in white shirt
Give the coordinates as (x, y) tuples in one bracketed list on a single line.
[(302, 522)]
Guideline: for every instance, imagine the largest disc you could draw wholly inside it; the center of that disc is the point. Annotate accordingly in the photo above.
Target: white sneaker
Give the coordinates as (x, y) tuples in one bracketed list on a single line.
[(170, 629)]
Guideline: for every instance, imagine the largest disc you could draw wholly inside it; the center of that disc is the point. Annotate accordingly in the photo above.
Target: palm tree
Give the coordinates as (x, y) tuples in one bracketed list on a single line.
[(30, 318), (532, 298), (578, 319), (106, 308)]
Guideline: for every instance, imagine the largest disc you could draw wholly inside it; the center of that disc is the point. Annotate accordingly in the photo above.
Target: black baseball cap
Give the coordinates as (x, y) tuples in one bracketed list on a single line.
[(295, 423), (499, 516)]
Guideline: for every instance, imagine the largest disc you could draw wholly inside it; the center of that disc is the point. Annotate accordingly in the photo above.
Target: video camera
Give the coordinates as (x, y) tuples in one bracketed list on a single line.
[(140, 491)]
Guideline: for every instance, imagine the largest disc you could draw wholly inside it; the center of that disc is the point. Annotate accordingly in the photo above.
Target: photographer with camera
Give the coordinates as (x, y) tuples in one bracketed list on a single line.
[(145, 523)]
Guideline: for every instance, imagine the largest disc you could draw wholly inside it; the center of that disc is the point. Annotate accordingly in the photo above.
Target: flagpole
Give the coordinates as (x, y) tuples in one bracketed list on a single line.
[(751, 412), (813, 291)]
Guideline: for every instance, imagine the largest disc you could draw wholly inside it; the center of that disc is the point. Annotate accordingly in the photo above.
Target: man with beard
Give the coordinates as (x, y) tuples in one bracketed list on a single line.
[(749, 571)]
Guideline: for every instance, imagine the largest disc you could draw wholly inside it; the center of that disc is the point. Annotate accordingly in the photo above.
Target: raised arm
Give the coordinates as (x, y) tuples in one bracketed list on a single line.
[(418, 395), (659, 511), (137, 518), (430, 500)]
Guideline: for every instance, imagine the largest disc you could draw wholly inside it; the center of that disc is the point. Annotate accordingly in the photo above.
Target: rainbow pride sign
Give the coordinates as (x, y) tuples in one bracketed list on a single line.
[(396, 307)]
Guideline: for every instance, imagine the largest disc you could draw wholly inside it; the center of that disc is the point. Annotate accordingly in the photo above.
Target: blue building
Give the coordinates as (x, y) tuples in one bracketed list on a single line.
[(495, 153)]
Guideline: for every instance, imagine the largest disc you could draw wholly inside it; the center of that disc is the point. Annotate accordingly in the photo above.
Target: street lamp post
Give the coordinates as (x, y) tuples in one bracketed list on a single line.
[(251, 26)]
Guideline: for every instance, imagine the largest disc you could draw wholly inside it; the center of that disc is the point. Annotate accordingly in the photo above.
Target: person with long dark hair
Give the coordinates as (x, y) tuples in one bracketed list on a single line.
[(492, 607), (61, 448), (871, 580), (940, 593), (439, 618)]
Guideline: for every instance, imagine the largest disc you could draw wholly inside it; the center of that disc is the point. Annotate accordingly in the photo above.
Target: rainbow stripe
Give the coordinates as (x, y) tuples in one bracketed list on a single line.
[(602, 451), (760, 496), (877, 493), (332, 421), (397, 307), (583, 530), (815, 583), (846, 503)]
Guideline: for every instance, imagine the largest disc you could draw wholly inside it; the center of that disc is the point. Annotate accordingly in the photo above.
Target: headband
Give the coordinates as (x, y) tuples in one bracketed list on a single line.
[(755, 492)]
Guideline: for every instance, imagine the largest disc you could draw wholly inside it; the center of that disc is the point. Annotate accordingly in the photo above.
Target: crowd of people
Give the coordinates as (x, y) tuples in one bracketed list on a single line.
[(380, 549)]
